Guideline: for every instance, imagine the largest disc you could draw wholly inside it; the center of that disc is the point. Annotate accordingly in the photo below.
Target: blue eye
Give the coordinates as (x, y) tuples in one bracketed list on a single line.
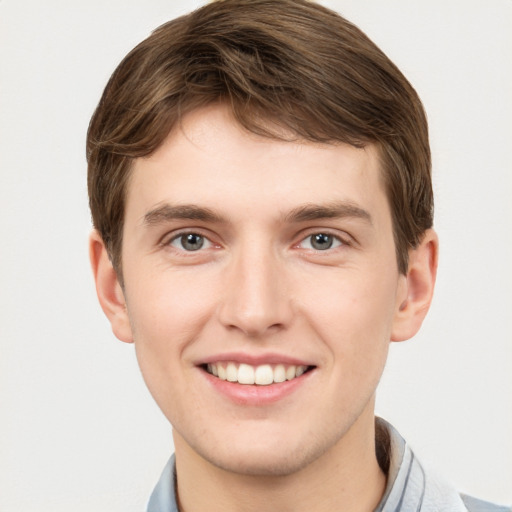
[(321, 242), (190, 242)]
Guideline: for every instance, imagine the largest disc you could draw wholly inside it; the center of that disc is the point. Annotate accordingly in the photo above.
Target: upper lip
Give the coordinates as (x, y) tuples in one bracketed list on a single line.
[(254, 360)]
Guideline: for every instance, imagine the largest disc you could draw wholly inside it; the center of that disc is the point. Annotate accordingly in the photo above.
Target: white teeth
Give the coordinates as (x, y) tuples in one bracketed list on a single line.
[(261, 375), (290, 372), (221, 371), (299, 371), (232, 372), (264, 375), (279, 373), (245, 374)]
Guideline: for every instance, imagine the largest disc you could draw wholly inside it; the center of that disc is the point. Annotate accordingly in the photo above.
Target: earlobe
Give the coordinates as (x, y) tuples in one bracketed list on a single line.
[(109, 290), (416, 296)]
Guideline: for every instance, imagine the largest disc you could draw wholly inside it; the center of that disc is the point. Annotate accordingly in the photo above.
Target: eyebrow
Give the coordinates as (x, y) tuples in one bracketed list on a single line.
[(336, 210), (168, 212), (304, 213)]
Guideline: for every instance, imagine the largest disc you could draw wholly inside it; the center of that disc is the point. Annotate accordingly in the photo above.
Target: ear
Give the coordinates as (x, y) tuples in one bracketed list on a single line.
[(416, 293), (109, 290)]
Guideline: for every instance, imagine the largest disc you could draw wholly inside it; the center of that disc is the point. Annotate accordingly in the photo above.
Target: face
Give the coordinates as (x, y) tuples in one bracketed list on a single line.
[(262, 289)]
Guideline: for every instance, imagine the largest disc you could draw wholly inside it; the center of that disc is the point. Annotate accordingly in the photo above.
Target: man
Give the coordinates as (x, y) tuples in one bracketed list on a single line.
[(259, 181)]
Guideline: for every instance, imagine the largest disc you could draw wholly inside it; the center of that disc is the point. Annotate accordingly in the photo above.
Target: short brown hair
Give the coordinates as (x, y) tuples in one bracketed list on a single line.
[(277, 63)]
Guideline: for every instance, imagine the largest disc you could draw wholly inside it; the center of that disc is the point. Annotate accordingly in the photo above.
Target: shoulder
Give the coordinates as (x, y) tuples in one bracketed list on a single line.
[(476, 505)]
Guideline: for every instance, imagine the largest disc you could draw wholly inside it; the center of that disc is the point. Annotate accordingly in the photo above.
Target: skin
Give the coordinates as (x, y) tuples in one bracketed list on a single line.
[(258, 288)]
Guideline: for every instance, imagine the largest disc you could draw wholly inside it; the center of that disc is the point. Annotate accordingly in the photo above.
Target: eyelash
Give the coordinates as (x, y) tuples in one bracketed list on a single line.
[(335, 241), (180, 238)]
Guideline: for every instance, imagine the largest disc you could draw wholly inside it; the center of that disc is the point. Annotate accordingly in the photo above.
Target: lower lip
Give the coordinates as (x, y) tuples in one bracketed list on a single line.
[(247, 394)]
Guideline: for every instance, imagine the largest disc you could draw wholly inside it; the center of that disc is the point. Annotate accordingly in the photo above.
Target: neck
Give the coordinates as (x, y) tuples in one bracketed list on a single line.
[(346, 477)]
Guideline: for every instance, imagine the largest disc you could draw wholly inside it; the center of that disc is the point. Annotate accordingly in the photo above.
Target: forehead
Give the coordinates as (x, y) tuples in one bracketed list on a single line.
[(211, 160)]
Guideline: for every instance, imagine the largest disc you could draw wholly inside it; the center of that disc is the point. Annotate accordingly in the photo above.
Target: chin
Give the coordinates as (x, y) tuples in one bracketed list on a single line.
[(273, 456), (262, 463)]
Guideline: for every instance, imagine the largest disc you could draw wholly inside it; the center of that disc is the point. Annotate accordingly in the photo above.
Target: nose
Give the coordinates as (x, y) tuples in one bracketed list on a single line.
[(256, 299)]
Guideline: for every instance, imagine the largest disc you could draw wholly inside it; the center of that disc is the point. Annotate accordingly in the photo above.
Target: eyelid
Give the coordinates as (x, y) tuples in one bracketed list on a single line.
[(344, 238), (167, 239), (207, 243), (335, 244)]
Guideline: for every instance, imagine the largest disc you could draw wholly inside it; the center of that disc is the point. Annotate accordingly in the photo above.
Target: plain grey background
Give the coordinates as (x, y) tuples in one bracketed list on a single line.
[(78, 430)]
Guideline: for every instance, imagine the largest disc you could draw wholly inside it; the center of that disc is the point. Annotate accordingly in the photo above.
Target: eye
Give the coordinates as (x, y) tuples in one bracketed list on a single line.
[(320, 242), (190, 242)]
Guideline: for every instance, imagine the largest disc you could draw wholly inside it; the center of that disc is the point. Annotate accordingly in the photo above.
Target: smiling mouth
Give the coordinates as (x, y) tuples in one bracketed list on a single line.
[(261, 375)]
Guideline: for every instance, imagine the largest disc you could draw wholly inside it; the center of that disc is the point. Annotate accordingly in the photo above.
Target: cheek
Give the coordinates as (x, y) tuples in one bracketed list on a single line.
[(353, 317), (165, 302), (166, 318), (167, 313)]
